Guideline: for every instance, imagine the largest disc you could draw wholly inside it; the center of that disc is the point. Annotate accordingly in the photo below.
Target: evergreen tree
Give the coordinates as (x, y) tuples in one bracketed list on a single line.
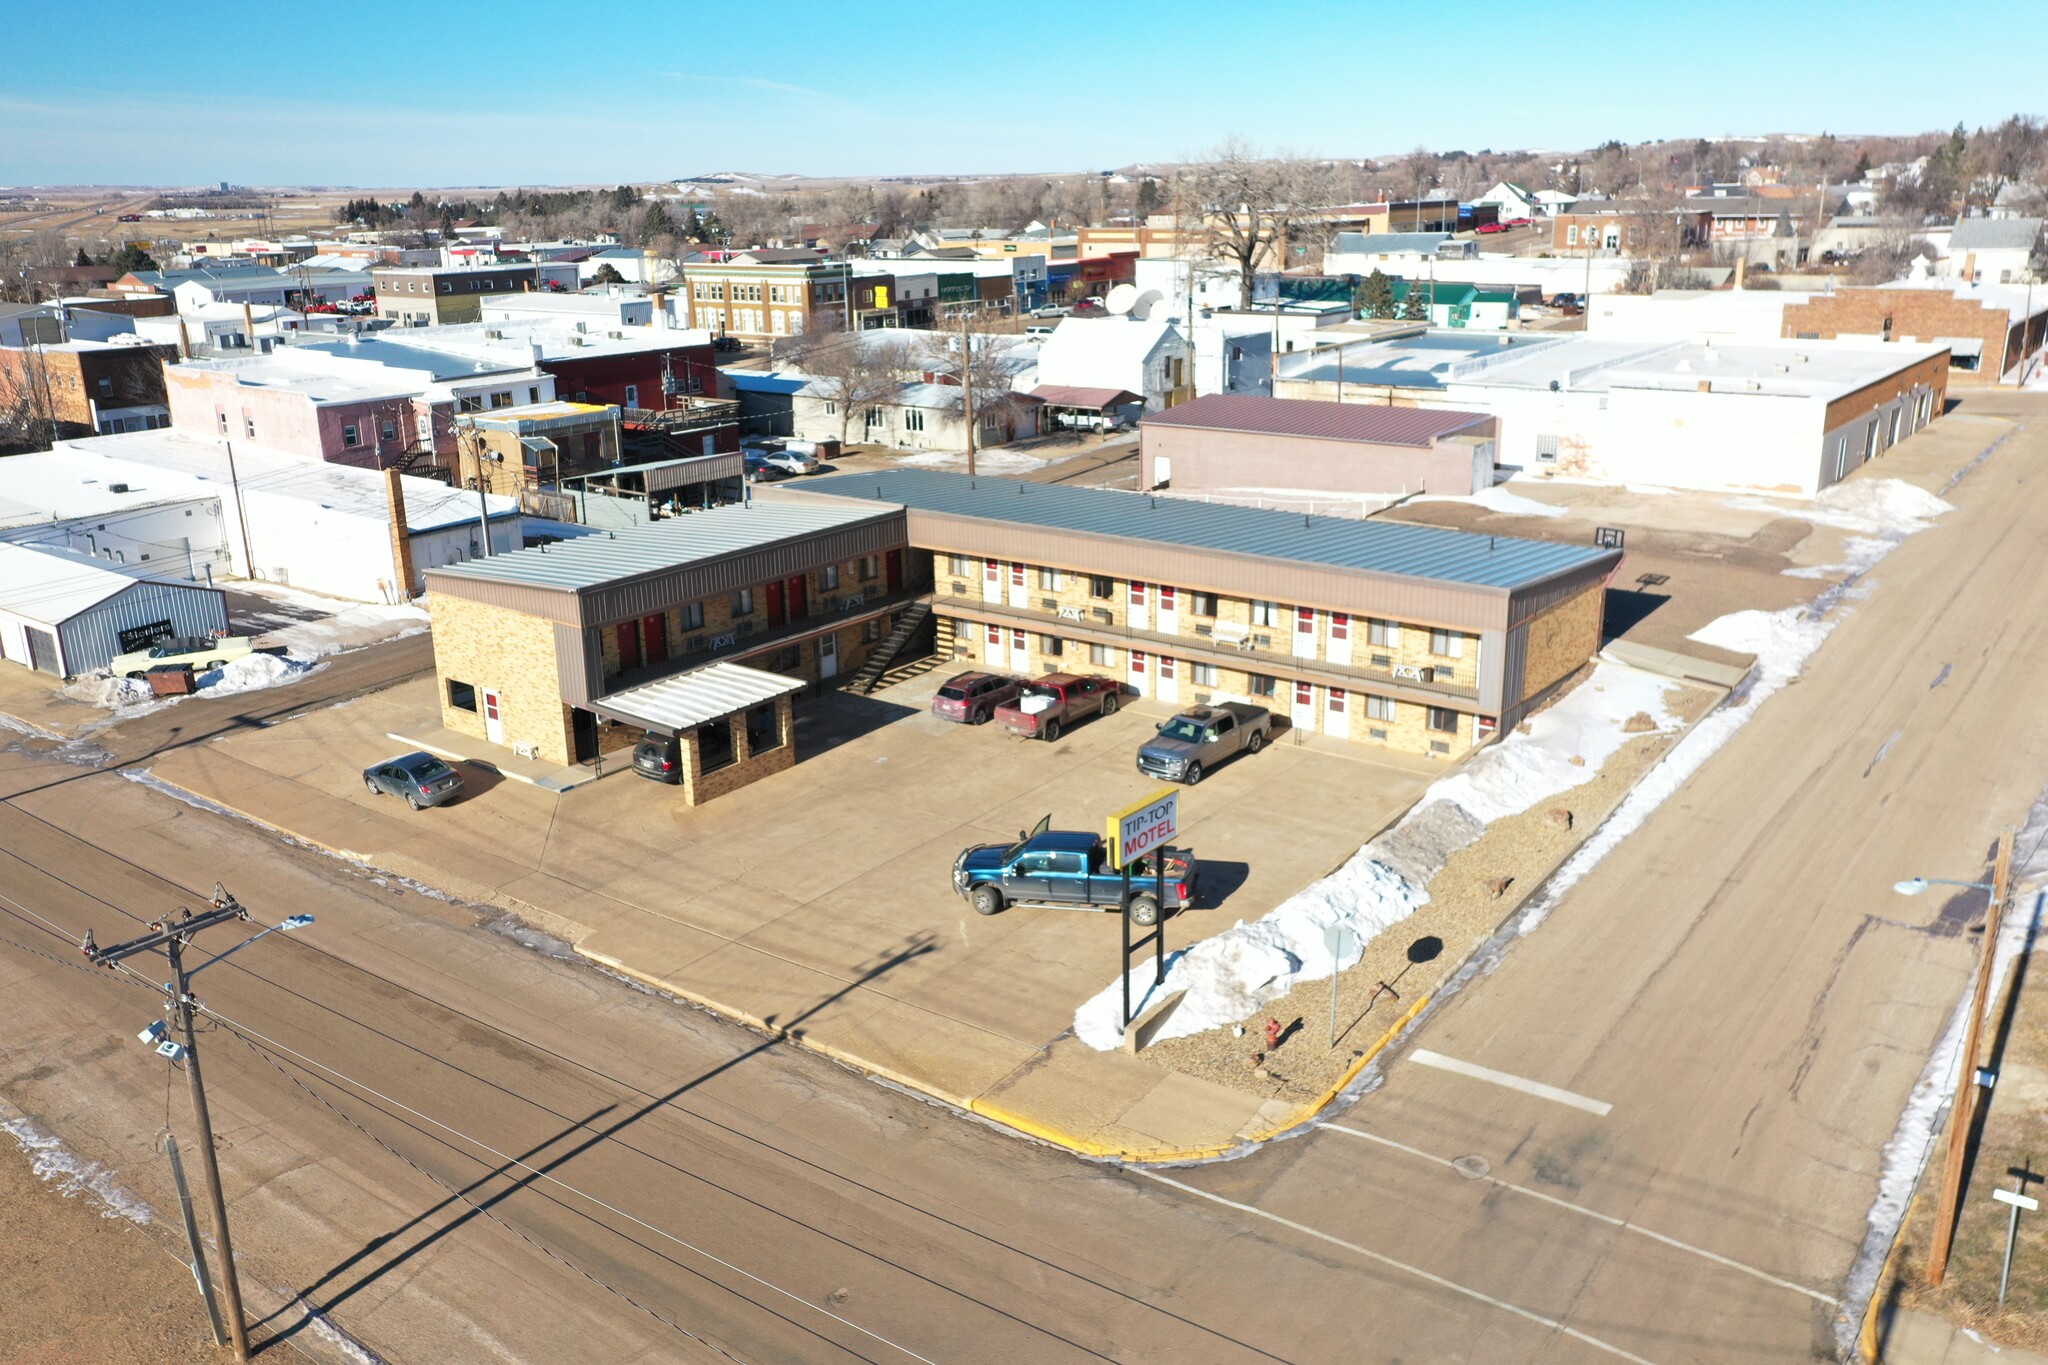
[(693, 226), (1148, 197), (1415, 307), (131, 257), (624, 197), (1375, 296), (607, 274), (83, 259), (655, 225)]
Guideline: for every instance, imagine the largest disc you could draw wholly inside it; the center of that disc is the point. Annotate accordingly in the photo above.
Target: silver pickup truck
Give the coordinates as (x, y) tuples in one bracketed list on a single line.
[(1200, 737)]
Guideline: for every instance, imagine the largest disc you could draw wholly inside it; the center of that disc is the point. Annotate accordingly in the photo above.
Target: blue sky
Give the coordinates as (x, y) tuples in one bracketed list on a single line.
[(519, 92)]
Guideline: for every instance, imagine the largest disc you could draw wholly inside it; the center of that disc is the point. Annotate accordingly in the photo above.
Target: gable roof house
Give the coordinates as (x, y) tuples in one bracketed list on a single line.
[(1150, 357), (1991, 250)]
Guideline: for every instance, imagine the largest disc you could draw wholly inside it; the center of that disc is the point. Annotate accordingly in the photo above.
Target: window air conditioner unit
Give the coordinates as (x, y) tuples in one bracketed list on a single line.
[(1049, 603), (1104, 616), (1204, 630), (1262, 641)]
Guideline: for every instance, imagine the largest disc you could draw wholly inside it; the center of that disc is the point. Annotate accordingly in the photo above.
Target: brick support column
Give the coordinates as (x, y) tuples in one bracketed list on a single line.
[(401, 537)]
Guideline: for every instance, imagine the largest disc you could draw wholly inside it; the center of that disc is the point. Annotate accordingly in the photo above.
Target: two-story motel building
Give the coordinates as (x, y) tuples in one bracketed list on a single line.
[(1425, 640)]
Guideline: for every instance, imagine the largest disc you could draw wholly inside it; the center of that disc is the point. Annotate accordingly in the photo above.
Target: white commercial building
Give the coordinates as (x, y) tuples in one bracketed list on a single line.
[(1766, 416), (1692, 314), (1149, 357), (169, 502)]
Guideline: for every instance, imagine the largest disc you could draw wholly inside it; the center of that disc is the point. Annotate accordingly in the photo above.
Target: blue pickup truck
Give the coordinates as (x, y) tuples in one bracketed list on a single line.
[(1068, 870)]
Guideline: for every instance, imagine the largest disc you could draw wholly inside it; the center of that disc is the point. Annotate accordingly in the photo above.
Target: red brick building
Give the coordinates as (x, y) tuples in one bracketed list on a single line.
[(1989, 329)]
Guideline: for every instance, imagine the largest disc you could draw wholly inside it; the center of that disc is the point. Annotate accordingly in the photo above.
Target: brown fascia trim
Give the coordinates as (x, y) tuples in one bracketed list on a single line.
[(1532, 599), (1301, 584), (566, 606)]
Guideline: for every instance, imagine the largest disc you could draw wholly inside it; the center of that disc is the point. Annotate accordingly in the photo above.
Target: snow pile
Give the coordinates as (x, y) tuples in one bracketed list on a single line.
[(56, 1164), (351, 628), (1882, 512), (252, 673), (985, 461), (1501, 499), (109, 694), (1229, 976)]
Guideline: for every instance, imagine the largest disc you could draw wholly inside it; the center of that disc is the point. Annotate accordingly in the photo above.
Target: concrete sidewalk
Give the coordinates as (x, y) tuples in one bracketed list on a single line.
[(1907, 1336)]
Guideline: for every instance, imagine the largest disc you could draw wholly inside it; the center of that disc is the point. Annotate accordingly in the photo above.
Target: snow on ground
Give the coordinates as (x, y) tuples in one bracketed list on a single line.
[(1882, 512), (1230, 975), (1499, 498), (352, 627), (130, 697), (70, 1174), (985, 461)]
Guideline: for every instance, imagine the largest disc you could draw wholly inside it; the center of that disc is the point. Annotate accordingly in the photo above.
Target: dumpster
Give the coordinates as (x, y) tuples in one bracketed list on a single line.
[(171, 680)]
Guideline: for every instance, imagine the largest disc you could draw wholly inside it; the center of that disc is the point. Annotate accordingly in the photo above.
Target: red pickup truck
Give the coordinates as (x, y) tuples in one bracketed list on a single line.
[(1056, 701)]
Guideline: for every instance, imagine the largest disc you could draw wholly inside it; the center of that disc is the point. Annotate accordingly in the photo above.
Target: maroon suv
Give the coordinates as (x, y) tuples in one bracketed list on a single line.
[(972, 698)]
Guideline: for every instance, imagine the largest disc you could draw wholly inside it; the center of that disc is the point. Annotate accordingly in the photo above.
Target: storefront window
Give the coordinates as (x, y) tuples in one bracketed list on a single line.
[(714, 746)]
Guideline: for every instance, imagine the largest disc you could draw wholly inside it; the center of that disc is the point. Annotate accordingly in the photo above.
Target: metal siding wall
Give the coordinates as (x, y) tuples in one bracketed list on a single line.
[(1514, 660), (92, 637), (1493, 667), (746, 569), (579, 660), (1415, 601)]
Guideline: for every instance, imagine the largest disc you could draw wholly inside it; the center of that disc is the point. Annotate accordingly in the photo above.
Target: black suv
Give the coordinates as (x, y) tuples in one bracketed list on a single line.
[(659, 757)]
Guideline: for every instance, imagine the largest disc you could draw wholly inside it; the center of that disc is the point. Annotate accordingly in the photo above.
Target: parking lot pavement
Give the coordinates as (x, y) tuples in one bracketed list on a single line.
[(819, 903)]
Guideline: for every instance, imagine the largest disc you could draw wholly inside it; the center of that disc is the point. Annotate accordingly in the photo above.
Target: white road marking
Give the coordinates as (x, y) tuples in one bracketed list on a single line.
[(1402, 1266), (1598, 1216), (1487, 1073)]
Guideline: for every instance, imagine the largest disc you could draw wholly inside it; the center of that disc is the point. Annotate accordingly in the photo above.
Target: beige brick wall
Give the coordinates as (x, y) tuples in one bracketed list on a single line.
[(511, 652), (1408, 731), (747, 767), (1562, 639)]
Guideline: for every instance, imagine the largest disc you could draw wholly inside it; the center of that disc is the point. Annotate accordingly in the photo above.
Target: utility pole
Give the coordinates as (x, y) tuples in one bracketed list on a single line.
[(967, 386), (1962, 1113), (169, 936)]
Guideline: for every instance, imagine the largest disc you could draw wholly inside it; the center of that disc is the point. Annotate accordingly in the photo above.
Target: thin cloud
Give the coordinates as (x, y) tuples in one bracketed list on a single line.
[(750, 82)]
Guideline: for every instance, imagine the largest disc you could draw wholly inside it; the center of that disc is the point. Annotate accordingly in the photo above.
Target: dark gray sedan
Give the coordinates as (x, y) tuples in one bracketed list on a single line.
[(421, 779)]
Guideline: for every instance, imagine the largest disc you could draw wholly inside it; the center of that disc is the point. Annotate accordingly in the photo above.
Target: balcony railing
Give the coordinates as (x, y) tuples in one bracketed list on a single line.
[(751, 636)]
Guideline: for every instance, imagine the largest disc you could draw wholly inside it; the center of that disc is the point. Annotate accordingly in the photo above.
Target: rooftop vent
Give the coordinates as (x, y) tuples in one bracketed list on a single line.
[(117, 488)]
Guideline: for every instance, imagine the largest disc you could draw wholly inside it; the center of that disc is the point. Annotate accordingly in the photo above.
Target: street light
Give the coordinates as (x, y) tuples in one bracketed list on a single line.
[(287, 925), (1913, 886)]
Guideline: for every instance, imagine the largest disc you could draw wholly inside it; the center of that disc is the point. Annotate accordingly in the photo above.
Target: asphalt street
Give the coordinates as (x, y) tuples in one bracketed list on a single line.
[(1651, 1134)]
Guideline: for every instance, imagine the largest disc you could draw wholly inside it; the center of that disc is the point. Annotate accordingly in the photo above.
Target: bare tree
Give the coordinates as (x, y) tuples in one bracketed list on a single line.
[(1251, 207), (854, 371), (994, 360), (1890, 256)]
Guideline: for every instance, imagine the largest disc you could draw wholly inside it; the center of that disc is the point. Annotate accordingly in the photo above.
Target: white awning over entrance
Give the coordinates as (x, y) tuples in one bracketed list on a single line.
[(696, 698)]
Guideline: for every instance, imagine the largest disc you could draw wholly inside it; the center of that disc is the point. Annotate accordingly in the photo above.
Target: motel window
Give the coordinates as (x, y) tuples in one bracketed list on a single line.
[(1447, 644), (870, 568), (691, 616), (1202, 603), (1051, 580), (1102, 656), (1443, 721), (743, 602), (1382, 634), (870, 631), (1101, 587), (1265, 613), (1204, 675), (960, 566), (349, 435), (1259, 685), (461, 695), (1379, 708), (828, 577), (1051, 646)]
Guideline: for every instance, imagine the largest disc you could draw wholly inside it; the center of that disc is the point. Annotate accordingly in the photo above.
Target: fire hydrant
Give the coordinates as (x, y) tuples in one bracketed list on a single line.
[(1272, 1034)]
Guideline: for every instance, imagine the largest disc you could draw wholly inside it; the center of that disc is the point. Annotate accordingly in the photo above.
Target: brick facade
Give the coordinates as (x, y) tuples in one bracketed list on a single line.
[(1562, 639), (1923, 315), (510, 653), (1326, 683)]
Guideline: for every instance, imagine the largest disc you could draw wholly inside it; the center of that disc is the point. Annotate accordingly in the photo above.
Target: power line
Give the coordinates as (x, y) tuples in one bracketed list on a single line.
[(539, 1173)]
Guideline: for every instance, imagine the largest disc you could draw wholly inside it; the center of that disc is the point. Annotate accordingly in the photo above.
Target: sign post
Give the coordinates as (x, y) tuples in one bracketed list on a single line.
[(1339, 941), (2018, 1201), (1134, 832)]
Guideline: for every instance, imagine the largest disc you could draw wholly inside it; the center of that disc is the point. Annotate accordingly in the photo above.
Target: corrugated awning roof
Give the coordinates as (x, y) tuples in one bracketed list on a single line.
[(1306, 417), (696, 698), (1067, 396)]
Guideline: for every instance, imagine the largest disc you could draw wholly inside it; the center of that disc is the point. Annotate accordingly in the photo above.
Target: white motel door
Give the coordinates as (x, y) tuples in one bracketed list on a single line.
[(1340, 638), (828, 656), (992, 646), (494, 719), (1169, 678), (1017, 590), (1020, 652), (1169, 609), (1137, 673), (1140, 615), (1304, 632), (991, 580), (1304, 713), (1336, 714)]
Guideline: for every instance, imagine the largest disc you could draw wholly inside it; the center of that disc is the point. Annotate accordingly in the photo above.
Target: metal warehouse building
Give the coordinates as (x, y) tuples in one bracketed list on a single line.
[(68, 615)]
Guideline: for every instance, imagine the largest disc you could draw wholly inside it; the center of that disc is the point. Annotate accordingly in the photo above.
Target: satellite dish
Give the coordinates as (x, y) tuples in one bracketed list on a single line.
[(1142, 306), (1121, 299)]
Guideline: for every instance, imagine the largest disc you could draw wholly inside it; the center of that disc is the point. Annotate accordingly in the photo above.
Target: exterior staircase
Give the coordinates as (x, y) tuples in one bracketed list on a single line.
[(878, 661)]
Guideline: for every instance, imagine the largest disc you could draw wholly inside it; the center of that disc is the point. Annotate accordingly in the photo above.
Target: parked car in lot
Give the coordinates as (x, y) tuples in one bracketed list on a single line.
[(1047, 706), (1050, 310), (1038, 331), (791, 461), (1088, 308), (1491, 227), (760, 468), (422, 779), (972, 698), (659, 758), (200, 653), (1068, 869), (1200, 737)]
